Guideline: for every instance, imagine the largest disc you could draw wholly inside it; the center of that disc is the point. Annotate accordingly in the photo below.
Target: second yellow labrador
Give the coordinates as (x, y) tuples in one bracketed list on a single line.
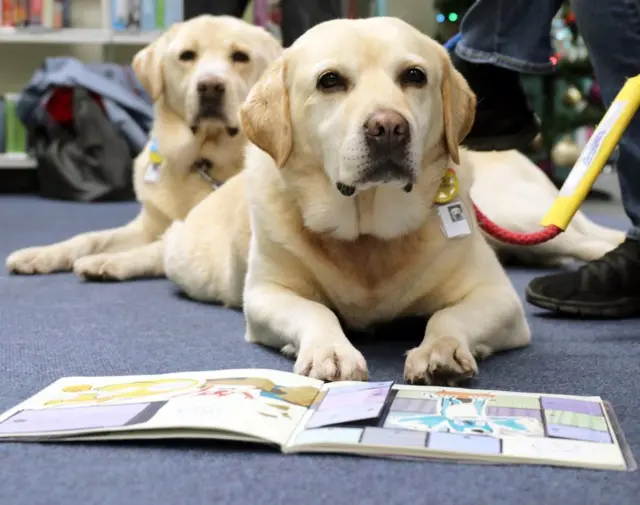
[(335, 215), (198, 73)]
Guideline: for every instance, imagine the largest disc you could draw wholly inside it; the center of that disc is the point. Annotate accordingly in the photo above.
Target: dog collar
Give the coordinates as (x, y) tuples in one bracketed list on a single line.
[(449, 187), (203, 166)]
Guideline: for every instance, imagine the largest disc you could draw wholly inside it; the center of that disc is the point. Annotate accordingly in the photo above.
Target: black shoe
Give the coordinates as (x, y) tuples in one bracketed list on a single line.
[(504, 119), (608, 287)]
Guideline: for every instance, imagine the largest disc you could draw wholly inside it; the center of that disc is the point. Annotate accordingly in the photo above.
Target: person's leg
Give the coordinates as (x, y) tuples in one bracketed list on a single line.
[(194, 8), (300, 15), (609, 286), (500, 40)]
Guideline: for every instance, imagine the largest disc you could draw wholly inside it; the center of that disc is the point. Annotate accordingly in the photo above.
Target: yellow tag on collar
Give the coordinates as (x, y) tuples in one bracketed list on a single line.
[(449, 187), (154, 154)]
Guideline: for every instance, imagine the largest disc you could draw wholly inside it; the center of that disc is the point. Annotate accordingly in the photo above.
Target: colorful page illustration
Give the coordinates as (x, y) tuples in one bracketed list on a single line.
[(464, 424), (265, 404)]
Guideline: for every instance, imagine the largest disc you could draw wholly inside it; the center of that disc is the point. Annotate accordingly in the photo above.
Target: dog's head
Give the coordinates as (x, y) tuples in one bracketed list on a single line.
[(374, 102), (203, 68)]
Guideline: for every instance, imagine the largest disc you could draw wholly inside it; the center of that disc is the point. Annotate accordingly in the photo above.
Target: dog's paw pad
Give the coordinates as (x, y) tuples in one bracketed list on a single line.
[(97, 268), (331, 363), (289, 351), (441, 361), (37, 260)]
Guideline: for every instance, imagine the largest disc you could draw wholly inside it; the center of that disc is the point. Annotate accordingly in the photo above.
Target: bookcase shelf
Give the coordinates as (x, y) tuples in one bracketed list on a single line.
[(62, 36), (91, 25), (77, 36), (134, 38), (16, 161)]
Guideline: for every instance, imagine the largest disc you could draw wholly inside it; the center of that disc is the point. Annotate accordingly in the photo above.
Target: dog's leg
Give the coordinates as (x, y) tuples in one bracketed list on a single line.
[(60, 257), (278, 317), (143, 261), (489, 319)]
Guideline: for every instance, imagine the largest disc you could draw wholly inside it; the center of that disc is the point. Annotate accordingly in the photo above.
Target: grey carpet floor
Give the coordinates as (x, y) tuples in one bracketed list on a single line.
[(55, 326)]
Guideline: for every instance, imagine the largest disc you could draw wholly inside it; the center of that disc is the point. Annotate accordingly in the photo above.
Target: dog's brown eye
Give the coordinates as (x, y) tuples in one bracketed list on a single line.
[(187, 55), (331, 81), (239, 57), (413, 77)]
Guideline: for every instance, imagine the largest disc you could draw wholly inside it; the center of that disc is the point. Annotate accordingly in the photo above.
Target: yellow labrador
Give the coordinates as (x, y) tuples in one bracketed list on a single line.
[(198, 74), (334, 217)]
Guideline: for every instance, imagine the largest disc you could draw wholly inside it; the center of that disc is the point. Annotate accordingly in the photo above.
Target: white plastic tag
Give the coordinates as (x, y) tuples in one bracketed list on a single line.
[(153, 173), (454, 219)]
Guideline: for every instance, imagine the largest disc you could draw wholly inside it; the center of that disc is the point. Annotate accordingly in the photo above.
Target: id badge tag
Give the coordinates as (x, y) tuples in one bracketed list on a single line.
[(453, 218), (152, 174)]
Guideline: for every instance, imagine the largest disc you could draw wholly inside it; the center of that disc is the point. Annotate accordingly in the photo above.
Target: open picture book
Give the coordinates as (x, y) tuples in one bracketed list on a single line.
[(299, 414)]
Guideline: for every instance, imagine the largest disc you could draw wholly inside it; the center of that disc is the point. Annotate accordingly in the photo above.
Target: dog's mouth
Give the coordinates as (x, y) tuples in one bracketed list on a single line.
[(378, 173), (232, 131), (214, 119), (212, 114)]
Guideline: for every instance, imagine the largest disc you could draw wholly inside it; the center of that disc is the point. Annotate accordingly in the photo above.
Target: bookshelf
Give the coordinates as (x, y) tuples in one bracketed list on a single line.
[(90, 37)]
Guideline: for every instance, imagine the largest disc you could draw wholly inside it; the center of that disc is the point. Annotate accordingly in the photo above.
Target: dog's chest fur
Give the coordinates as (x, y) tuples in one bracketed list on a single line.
[(369, 279)]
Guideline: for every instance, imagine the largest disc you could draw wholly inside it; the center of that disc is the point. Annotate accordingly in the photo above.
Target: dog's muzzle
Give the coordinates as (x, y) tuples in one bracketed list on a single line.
[(387, 134)]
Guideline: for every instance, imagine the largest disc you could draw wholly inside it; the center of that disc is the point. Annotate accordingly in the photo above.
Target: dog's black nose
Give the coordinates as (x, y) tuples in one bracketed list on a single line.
[(386, 130), (211, 88)]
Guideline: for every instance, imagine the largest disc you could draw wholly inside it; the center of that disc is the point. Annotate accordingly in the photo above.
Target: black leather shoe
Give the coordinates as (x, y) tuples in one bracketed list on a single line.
[(606, 288), (504, 119)]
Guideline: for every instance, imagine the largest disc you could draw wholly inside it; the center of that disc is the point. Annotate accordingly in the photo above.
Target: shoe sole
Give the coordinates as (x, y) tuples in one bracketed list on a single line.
[(627, 307)]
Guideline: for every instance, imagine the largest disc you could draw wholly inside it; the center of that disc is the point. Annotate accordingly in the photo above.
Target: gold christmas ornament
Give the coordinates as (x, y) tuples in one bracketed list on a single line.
[(537, 142), (565, 153), (572, 97)]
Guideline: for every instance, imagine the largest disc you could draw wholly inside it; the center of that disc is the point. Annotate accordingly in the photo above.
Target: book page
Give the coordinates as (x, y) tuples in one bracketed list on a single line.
[(469, 425), (264, 404)]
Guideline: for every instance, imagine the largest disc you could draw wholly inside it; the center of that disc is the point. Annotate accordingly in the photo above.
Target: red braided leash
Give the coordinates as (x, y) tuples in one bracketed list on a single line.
[(515, 238)]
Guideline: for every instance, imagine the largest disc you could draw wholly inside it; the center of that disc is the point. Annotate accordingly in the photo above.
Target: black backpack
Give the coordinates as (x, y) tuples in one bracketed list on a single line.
[(85, 161)]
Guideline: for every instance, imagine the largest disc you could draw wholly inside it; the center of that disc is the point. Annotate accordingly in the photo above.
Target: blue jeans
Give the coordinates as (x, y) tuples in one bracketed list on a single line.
[(515, 34)]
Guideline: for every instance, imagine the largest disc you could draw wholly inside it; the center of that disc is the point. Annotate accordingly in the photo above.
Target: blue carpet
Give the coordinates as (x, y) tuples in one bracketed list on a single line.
[(55, 326)]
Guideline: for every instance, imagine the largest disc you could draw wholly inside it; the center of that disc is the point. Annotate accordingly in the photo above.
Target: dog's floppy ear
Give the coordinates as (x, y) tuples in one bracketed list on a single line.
[(265, 115), (147, 64), (459, 104)]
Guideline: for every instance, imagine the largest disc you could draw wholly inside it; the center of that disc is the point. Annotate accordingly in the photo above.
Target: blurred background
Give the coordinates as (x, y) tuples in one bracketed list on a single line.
[(52, 47)]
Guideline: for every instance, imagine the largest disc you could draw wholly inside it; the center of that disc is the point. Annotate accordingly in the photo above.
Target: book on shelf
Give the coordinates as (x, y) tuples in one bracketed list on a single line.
[(44, 14), (14, 132), (145, 15), (296, 414), (3, 126)]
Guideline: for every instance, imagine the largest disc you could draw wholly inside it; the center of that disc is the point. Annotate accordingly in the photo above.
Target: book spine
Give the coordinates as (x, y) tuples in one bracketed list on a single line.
[(3, 128), (174, 12), (47, 13), (57, 14), (21, 13), (160, 7), (35, 12), (66, 13), (148, 22), (118, 14), (133, 15), (7, 13), (10, 122)]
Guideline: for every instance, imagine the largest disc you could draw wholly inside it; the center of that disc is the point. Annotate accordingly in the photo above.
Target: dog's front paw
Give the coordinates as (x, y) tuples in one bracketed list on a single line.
[(38, 260), (331, 362), (442, 361), (100, 267)]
